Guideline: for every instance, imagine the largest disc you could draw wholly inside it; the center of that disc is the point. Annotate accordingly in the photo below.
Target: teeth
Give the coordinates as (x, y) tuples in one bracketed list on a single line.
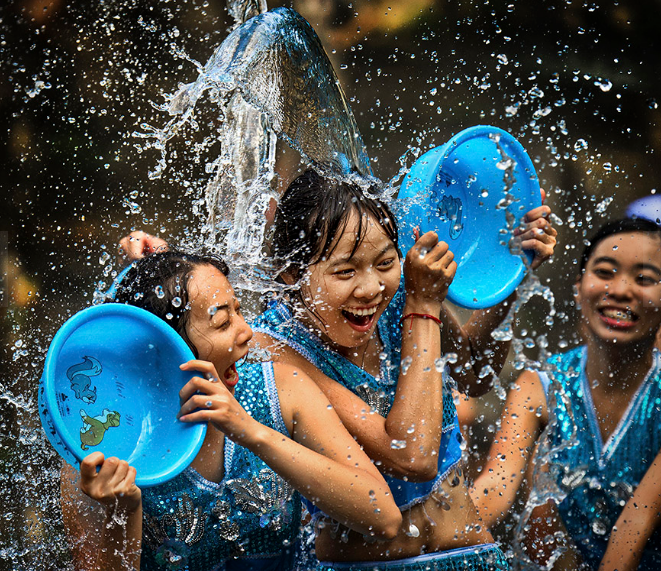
[(362, 312), (618, 314)]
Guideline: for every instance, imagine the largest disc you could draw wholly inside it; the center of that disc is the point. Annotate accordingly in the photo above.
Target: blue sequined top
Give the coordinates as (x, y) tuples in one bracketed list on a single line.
[(599, 478), (249, 520), (378, 392)]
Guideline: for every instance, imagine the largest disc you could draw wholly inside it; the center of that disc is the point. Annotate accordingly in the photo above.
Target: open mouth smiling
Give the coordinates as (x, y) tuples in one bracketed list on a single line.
[(618, 317), (360, 318)]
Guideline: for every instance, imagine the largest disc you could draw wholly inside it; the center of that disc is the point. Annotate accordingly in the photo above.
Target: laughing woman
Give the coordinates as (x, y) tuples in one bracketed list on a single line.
[(270, 432), (613, 383), (350, 322)]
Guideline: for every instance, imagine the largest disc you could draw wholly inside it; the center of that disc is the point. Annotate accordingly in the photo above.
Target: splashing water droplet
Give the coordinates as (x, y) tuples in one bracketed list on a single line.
[(398, 444), (580, 145), (604, 84), (160, 293)]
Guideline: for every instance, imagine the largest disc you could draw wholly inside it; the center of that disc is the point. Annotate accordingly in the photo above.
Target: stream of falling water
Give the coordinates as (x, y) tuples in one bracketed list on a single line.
[(269, 80)]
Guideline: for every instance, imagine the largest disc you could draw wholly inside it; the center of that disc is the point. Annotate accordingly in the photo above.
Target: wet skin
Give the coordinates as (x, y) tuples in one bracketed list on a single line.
[(440, 528), (344, 296)]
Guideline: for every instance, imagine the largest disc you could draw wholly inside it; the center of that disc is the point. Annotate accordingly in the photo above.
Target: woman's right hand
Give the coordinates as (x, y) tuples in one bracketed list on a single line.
[(209, 400), (429, 269), (114, 483), (139, 244)]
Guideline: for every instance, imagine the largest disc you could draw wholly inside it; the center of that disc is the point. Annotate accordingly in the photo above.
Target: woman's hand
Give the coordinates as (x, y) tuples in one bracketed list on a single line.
[(428, 271), (114, 483), (537, 234), (209, 400), (139, 244)]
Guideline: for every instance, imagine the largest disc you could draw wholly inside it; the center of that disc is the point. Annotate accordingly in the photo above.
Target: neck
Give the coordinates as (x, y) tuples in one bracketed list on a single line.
[(618, 367)]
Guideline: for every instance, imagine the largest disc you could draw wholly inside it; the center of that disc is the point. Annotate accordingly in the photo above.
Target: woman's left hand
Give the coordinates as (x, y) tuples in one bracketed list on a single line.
[(537, 234)]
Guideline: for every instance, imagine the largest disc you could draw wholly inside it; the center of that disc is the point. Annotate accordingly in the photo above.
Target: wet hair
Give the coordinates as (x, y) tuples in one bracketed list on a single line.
[(621, 226), (314, 211), (155, 282)]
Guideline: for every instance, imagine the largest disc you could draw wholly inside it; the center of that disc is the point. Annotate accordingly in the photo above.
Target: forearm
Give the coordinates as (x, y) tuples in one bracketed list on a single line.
[(112, 545), (494, 492), (121, 545), (475, 347), (629, 537), (416, 417), (98, 541), (349, 494)]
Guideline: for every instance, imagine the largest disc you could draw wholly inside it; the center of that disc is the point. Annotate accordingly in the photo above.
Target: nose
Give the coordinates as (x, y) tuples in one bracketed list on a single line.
[(369, 287), (619, 287), (244, 333)]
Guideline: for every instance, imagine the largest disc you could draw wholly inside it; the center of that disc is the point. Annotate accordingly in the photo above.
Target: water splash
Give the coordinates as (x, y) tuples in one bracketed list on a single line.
[(270, 79)]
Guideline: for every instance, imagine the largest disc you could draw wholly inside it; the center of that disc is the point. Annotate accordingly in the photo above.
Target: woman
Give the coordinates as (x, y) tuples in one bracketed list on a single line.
[(338, 253), (601, 445), (270, 429)]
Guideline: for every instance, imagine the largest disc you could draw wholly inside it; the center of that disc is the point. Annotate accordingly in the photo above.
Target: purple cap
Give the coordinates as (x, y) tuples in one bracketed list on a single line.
[(648, 208)]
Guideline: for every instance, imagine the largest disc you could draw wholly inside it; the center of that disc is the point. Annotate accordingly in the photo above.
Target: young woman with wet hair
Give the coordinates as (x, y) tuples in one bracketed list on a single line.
[(373, 343), (606, 438), (271, 431)]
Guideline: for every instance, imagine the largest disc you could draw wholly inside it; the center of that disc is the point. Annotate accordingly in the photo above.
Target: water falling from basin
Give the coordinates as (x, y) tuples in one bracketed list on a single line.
[(269, 80)]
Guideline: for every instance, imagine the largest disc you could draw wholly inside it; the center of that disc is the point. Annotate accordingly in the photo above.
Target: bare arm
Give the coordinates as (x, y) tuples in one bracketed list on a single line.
[(103, 536), (473, 342), (522, 420), (639, 519), (405, 443), (322, 461), (547, 542), (343, 483)]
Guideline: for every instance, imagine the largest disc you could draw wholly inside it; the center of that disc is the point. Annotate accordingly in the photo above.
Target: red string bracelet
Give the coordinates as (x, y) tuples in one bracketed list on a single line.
[(423, 316)]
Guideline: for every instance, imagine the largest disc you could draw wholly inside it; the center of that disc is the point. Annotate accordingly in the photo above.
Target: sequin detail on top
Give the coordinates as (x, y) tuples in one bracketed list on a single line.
[(378, 392), (599, 478), (193, 524)]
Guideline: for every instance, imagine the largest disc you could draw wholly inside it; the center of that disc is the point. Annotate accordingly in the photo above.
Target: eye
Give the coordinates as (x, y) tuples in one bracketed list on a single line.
[(345, 273), (646, 280), (386, 264), (604, 273)]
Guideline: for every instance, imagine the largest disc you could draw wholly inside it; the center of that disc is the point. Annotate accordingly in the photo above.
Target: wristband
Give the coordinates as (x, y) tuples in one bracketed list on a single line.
[(421, 315)]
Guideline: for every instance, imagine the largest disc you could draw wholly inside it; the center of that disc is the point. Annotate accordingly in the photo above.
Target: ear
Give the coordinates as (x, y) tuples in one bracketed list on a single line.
[(288, 278), (576, 293)]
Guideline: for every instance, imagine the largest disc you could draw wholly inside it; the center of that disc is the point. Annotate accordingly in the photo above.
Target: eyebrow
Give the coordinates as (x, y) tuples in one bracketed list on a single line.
[(224, 307), (641, 266), (346, 259)]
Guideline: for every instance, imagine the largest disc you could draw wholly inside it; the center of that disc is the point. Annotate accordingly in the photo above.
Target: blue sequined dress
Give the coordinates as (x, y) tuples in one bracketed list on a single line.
[(378, 392), (249, 521), (599, 477)]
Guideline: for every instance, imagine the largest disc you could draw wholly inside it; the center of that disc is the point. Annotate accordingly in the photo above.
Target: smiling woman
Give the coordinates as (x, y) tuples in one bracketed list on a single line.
[(338, 249), (612, 382)]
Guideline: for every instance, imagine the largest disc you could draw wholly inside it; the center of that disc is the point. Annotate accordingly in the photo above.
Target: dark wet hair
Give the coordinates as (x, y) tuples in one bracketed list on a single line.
[(313, 211), (154, 282), (621, 226)]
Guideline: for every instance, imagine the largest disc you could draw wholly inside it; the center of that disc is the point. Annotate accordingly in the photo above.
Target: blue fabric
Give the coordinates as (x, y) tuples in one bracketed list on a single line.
[(600, 477), (487, 557), (249, 520), (379, 392)]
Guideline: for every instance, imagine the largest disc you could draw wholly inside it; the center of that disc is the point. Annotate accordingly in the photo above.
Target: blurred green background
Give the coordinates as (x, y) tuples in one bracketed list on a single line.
[(577, 83)]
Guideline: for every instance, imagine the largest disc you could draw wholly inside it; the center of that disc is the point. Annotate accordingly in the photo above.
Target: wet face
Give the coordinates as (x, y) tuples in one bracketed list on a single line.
[(216, 326), (620, 291), (346, 294)]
